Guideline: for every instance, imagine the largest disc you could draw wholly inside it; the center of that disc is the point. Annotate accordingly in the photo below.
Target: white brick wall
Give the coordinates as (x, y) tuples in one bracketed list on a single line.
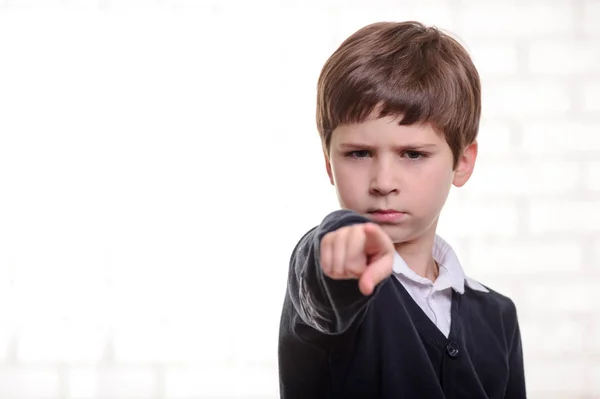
[(29, 382), (117, 382), (591, 15), (494, 57), (564, 57), (526, 98), (580, 216), (560, 138), (137, 253), (60, 343), (591, 96), (515, 20)]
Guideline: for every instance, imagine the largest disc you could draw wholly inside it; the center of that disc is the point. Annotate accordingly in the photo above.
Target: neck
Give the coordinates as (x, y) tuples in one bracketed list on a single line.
[(418, 256)]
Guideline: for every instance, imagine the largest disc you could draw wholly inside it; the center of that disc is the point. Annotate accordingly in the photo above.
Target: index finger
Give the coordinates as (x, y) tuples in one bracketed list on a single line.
[(375, 273), (376, 239)]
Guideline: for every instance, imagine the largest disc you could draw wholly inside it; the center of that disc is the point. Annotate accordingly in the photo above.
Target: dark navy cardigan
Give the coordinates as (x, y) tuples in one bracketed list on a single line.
[(336, 343)]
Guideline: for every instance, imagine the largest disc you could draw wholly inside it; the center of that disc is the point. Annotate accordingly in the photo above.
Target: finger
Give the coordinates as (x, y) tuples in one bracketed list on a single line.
[(365, 285), (375, 273), (339, 252), (376, 239), (326, 254), (356, 260)]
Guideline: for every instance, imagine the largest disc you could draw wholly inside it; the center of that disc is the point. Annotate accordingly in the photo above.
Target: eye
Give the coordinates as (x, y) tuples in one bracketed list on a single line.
[(414, 155), (358, 154)]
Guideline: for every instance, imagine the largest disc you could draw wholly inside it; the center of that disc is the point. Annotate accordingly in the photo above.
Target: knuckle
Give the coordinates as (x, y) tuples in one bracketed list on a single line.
[(355, 263)]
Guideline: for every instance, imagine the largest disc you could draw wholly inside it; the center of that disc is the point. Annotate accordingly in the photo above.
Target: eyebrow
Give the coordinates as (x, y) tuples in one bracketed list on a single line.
[(407, 147)]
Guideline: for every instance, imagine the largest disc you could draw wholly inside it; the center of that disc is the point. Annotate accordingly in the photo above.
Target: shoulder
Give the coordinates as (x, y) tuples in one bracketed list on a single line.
[(500, 313), (491, 303)]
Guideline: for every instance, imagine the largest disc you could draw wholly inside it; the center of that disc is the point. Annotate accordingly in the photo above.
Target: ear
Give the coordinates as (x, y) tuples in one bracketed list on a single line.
[(328, 166), (466, 164)]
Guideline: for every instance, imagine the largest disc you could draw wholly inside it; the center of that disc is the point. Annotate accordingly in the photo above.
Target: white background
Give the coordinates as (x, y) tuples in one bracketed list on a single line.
[(159, 160)]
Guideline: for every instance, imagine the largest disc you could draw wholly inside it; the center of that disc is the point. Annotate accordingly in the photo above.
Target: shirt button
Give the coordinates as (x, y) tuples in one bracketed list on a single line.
[(452, 349)]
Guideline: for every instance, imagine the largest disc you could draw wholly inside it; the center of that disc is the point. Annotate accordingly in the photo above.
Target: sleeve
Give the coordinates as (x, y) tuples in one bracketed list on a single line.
[(325, 305), (516, 378)]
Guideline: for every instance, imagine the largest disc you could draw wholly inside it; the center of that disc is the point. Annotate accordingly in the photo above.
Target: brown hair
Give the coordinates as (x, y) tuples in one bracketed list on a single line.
[(401, 69)]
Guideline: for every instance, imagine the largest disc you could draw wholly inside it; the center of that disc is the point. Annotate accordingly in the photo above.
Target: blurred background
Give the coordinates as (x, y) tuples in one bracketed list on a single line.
[(159, 161)]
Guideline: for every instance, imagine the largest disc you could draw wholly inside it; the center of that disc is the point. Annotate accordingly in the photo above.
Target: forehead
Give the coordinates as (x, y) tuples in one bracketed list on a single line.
[(385, 130)]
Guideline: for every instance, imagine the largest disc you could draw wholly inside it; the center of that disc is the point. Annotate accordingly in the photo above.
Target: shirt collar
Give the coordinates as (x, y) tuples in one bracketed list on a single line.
[(451, 272)]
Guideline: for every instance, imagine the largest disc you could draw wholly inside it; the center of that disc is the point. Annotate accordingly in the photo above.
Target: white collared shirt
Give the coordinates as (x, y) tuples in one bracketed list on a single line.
[(435, 298)]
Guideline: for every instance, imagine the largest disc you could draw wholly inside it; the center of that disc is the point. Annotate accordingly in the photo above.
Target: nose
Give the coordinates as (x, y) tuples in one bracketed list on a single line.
[(384, 179)]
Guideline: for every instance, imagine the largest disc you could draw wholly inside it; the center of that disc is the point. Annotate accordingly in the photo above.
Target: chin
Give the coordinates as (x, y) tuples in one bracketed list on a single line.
[(398, 233), (405, 232)]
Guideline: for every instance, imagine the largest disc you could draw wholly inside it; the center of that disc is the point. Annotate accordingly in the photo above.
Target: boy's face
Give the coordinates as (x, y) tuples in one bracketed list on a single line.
[(398, 176)]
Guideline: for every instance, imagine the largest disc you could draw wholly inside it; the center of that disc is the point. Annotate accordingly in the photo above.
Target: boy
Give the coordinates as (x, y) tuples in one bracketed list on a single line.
[(377, 305)]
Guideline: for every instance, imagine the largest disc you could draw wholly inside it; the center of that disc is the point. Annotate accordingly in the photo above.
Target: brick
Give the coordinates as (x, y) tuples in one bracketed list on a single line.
[(593, 371), (566, 295), (215, 382), (592, 176), (473, 217), (591, 96), (516, 19), (555, 337), (564, 217), (143, 343), (440, 13), (494, 138), (28, 383), (596, 255), (32, 282), (350, 19), (564, 57), (350, 4), (9, 312), (493, 58), (216, 3), (117, 383), (511, 177), (560, 137), (229, 8), (523, 257), (32, 4), (61, 343), (594, 336), (526, 99), (6, 340), (298, 42), (591, 16), (256, 346), (112, 5), (91, 5), (564, 378)]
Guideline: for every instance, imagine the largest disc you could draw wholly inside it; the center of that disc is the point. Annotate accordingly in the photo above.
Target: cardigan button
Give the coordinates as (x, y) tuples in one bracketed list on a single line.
[(452, 349)]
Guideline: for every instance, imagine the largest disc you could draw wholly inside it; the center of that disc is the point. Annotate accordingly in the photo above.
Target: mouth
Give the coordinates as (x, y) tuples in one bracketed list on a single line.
[(386, 215)]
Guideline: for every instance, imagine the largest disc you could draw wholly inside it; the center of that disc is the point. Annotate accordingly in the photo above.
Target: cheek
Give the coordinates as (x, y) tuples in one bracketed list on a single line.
[(349, 185), (343, 172), (346, 182), (433, 186)]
